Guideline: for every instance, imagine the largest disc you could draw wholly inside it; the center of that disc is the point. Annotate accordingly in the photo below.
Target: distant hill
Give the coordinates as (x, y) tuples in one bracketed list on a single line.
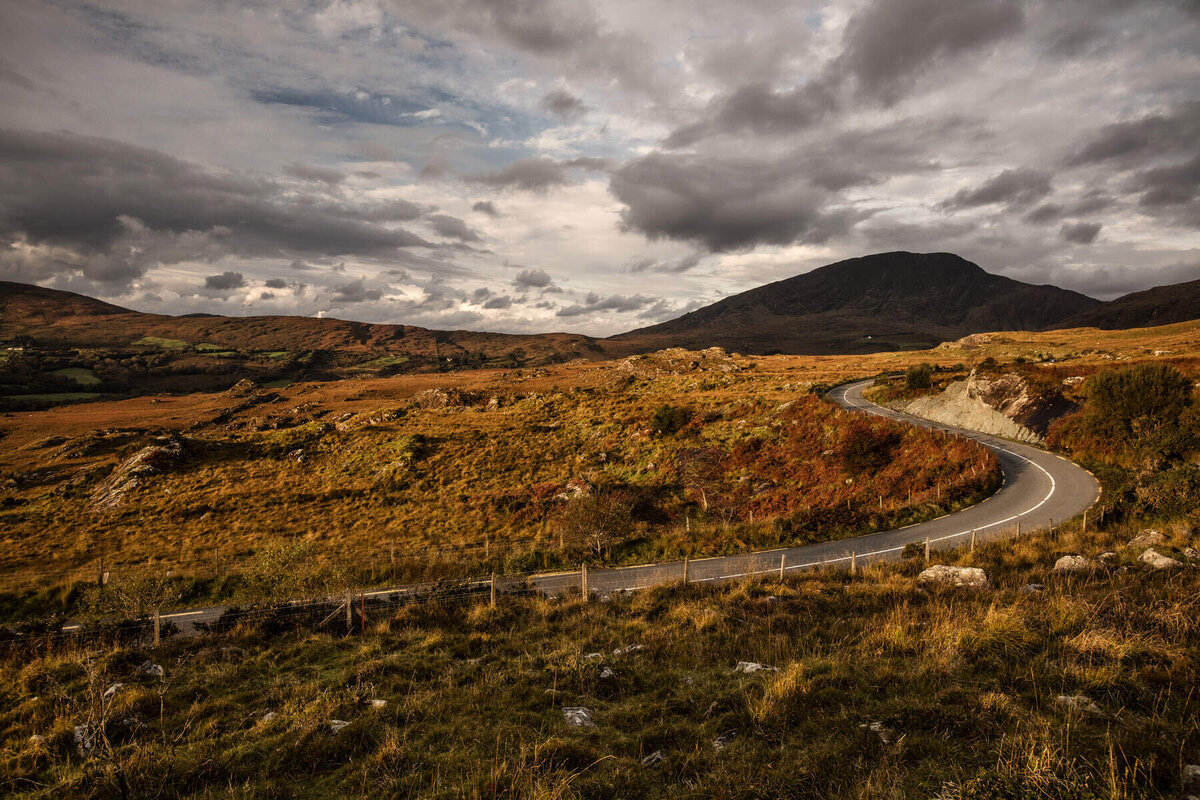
[(887, 301), (56, 319), (1162, 305)]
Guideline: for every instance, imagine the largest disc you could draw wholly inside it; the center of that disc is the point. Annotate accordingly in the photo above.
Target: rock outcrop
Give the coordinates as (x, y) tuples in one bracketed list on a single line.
[(969, 577), (1002, 405)]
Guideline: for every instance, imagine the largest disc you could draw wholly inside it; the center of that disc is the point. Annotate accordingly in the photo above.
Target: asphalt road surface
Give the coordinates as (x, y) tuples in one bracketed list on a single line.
[(1039, 489)]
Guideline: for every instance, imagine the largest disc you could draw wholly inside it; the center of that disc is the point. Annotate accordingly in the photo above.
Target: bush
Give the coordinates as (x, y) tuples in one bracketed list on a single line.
[(1137, 400), (918, 376), (668, 419), (598, 521), (866, 449)]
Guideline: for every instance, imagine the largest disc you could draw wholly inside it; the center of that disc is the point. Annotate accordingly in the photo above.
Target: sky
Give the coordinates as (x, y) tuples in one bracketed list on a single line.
[(591, 166)]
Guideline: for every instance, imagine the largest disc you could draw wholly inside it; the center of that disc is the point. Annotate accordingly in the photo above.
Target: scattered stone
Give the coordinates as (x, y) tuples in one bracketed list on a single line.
[(298, 455), (377, 703), (1192, 552), (85, 740), (1191, 782), (751, 667), (475, 661), (579, 717), (111, 691), (1071, 564), (594, 656), (605, 598), (1156, 560), (607, 673), (1107, 558), (1032, 588), (37, 739), (627, 649), (724, 740), (267, 718), (336, 725), (970, 577), (1080, 703), (1147, 538), (654, 758), (885, 735), (152, 670)]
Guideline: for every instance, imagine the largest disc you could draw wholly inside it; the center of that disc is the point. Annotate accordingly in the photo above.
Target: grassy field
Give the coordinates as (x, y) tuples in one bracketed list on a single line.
[(884, 688), (431, 476)]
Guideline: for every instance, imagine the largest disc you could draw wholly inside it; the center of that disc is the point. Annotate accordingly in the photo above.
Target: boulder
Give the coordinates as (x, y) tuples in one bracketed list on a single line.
[(1147, 538), (1032, 588), (377, 703), (579, 717), (627, 649), (1072, 564), (266, 718), (1156, 560), (1080, 703), (1192, 552), (594, 656), (751, 667), (969, 577), (1191, 782), (607, 673), (1107, 558), (654, 758), (85, 740), (336, 725), (111, 691)]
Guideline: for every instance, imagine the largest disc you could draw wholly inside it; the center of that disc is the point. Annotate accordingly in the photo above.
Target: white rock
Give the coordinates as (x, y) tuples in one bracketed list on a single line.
[(629, 648), (1071, 564), (151, 669), (111, 691), (654, 758), (1191, 781), (1078, 702), (336, 725), (377, 703), (1032, 588), (85, 742), (878, 727), (1107, 558), (724, 740), (607, 673), (751, 667), (1192, 552), (267, 718), (970, 577), (37, 738), (1157, 560), (594, 656), (1147, 538), (578, 716)]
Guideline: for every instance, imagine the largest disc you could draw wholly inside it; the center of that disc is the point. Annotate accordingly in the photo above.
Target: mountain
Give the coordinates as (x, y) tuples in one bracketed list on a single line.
[(1162, 305), (887, 301)]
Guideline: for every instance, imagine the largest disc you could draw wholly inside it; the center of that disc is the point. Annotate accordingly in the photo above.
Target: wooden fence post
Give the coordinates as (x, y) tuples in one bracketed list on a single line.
[(157, 628), (100, 571), (584, 581), (972, 541), (926, 549), (686, 565), (349, 613), (782, 565), (492, 602), (362, 613), (853, 563), (1084, 523)]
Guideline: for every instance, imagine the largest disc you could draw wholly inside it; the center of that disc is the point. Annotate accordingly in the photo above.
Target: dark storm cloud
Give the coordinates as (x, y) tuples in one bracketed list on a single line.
[(453, 228), (564, 105), (355, 292), (393, 211), (1013, 187), (892, 41), (726, 204), (1172, 185), (120, 207), (532, 279), (1048, 212), (225, 281), (486, 207), (758, 108), (499, 302), (670, 267), (1080, 232), (594, 302), (538, 174), (306, 172), (1152, 135)]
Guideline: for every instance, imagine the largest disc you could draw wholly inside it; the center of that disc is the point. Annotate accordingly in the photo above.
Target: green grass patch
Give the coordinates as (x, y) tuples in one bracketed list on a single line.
[(275, 355), (206, 347), (161, 343), (380, 363), (84, 377)]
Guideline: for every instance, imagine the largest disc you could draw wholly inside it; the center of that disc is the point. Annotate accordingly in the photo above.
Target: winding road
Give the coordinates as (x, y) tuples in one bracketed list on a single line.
[(1039, 489)]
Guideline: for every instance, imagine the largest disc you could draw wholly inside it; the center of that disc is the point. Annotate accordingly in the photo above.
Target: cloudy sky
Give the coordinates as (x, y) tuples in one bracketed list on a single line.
[(590, 166)]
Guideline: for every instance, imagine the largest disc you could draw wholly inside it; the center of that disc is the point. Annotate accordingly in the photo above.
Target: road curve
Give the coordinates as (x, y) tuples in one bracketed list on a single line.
[(1039, 488)]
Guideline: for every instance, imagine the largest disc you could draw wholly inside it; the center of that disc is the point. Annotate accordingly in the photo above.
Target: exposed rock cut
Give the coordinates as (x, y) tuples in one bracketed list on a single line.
[(151, 460)]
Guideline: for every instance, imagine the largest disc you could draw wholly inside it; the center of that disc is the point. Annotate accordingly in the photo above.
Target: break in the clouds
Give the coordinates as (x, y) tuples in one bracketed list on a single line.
[(550, 164)]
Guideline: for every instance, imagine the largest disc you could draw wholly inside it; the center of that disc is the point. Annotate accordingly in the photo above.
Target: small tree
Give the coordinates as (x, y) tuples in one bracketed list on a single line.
[(918, 376), (702, 470), (598, 521), (1136, 400), (290, 571)]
